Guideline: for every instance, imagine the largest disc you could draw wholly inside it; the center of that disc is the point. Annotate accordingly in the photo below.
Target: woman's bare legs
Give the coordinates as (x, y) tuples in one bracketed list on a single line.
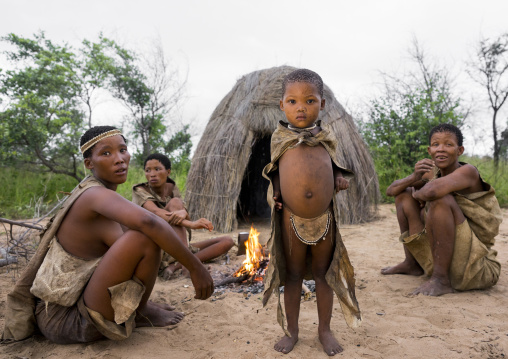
[(409, 218), (443, 216), (133, 254)]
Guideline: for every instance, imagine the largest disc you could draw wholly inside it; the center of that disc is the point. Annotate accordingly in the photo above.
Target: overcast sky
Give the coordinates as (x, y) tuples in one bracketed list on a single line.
[(216, 42)]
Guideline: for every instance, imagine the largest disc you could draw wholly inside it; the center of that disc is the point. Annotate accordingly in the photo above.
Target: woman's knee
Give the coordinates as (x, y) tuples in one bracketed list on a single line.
[(227, 243), (140, 243), (445, 201), (175, 204), (404, 196), (406, 205)]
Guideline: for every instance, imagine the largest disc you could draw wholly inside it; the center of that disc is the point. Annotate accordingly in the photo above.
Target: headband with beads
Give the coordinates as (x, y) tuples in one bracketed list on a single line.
[(98, 138)]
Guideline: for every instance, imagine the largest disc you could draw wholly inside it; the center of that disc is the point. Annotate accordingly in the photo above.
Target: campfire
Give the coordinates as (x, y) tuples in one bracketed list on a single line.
[(255, 262), (254, 266)]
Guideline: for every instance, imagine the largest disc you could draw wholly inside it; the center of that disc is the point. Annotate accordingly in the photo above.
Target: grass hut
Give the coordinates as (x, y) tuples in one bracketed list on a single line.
[(224, 183)]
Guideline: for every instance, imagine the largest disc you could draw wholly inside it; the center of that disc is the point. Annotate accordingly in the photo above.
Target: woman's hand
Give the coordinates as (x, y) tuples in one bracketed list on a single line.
[(202, 223), (176, 217)]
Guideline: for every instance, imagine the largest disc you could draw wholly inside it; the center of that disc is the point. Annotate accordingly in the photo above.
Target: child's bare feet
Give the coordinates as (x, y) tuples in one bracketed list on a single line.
[(434, 287), (403, 268), (330, 345), (152, 315), (286, 344)]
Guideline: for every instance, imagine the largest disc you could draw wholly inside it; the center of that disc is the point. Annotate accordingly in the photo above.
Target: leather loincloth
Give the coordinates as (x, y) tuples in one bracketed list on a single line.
[(311, 230)]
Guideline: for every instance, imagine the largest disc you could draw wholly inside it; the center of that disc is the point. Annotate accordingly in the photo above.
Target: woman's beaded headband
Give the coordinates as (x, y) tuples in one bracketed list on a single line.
[(98, 138)]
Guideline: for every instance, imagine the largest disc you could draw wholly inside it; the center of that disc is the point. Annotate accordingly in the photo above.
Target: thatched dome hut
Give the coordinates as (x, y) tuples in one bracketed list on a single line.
[(225, 182)]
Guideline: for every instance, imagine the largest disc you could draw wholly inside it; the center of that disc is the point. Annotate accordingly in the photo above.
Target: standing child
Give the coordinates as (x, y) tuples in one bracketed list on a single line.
[(305, 242), (97, 261)]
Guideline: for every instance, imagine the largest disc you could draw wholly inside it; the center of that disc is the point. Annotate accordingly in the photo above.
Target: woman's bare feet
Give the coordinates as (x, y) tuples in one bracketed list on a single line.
[(330, 345), (164, 306), (286, 344), (404, 268), (186, 273), (434, 287), (152, 315), (170, 270)]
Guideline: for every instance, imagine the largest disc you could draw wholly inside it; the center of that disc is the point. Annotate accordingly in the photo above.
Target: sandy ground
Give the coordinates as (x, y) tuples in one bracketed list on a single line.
[(233, 325)]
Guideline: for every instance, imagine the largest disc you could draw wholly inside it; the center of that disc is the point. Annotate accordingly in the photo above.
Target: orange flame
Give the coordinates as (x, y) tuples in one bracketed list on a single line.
[(254, 254)]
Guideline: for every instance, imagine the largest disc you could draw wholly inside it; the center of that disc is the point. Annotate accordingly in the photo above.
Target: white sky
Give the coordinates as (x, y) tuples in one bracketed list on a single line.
[(217, 42)]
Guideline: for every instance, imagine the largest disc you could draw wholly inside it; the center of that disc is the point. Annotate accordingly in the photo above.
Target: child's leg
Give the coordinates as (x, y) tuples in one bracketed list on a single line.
[(322, 254), (295, 253), (133, 254), (409, 218)]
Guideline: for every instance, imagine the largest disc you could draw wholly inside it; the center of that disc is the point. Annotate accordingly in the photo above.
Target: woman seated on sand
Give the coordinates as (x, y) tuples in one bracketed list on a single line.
[(161, 196), (97, 261)]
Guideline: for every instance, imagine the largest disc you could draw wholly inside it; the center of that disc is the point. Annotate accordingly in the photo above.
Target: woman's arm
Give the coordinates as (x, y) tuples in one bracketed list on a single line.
[(461, 179), (113, 206), (152, 207), (175, 217), (422, 168)]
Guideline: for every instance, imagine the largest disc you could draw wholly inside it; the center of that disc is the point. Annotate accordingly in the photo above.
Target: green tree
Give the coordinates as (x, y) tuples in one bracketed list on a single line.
[(178, 148), (489, 69), (503, 143), (42, 120), (150, 95), (48, 96), (96, 67), (398, 122)]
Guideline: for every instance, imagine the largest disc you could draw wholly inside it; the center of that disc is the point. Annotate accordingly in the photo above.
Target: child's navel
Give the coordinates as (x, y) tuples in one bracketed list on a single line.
[(308, 194)]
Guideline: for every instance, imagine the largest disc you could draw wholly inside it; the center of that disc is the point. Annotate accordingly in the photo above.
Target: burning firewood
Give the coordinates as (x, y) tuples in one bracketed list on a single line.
[(230, 280), (255, 263)]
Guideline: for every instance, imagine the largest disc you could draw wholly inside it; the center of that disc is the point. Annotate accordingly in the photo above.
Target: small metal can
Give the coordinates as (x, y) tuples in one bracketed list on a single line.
[(242, 238)]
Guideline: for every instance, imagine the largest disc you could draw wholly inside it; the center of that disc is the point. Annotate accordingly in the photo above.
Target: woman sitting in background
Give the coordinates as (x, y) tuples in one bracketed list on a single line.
[(160, 195)]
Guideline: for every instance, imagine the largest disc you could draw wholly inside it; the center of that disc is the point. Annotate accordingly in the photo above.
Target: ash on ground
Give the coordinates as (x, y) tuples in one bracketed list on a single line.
[(249, 288)]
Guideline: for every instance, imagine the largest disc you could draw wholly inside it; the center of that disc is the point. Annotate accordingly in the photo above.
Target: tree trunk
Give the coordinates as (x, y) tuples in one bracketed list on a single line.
[(496, 144)]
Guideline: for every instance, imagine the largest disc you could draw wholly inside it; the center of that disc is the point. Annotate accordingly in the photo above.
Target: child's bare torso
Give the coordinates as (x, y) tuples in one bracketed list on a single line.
[(306, 180)]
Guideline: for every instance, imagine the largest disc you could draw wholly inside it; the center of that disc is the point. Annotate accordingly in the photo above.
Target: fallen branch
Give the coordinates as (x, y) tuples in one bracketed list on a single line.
[(307, 294), (9, 260), (21, 224), (231, 279)]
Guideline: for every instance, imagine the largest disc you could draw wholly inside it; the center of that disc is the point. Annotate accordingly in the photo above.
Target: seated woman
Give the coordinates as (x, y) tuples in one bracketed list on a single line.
[(96, 264), (161, 196)]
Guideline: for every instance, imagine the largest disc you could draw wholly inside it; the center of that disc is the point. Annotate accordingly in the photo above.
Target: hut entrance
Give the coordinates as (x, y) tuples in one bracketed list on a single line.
[(252, 201)]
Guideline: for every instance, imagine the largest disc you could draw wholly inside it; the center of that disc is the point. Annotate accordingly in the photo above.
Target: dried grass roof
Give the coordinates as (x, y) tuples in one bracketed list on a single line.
[(249, 111)]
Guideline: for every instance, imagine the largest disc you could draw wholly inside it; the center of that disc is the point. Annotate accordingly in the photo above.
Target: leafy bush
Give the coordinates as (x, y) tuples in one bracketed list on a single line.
[(27, 194), (489, 174)]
